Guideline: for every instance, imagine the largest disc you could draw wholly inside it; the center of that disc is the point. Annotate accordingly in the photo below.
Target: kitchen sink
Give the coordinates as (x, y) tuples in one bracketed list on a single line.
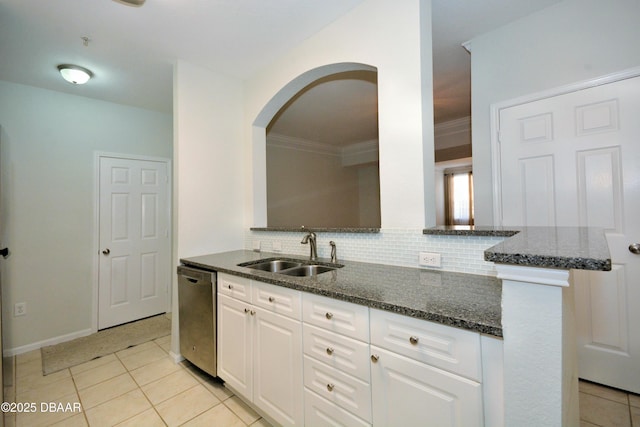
[(290, 267), (307, 270), (274, 266)]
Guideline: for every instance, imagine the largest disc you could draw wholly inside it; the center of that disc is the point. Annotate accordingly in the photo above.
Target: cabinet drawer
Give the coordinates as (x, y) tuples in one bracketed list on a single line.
[(451, 349), (276, 299), (234, 286), (337, 387), (342, 317), (319, 412), (343, 353)]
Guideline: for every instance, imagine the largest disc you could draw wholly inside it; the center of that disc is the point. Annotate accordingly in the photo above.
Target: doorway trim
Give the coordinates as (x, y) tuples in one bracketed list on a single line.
[(496, 173), (97, 155)]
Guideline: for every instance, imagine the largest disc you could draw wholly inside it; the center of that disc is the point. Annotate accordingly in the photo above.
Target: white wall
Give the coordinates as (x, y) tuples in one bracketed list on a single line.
[(573, 41), (208, 167), (48, 143), (310, 188), (394, 37)]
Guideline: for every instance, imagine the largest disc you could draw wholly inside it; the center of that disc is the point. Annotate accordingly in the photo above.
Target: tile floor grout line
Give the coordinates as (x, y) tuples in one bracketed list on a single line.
[(153, 406)]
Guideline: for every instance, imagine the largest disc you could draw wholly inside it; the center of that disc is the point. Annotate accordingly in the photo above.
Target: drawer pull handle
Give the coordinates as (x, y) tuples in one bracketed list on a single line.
[(329, 351), (328, 315), (413, 340), (330, 387), (271, 299), (374, 358)]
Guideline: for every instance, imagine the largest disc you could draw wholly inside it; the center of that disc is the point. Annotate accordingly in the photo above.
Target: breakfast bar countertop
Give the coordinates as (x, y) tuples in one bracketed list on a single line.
[(467, 301), (581, 248)]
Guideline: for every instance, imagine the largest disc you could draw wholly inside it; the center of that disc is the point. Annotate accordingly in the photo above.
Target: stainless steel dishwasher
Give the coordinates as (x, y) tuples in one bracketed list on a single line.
[(197, 317)]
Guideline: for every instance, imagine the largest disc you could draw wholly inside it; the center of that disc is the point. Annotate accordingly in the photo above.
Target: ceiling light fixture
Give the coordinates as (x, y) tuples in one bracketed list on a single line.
[(75, 74)]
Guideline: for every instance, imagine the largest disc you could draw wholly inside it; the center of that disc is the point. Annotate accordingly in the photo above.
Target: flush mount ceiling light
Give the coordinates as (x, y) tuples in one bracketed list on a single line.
[(74, 73)]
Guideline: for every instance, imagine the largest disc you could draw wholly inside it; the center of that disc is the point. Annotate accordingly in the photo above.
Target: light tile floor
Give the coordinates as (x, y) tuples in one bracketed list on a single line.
[(141, 386), (608, 407)]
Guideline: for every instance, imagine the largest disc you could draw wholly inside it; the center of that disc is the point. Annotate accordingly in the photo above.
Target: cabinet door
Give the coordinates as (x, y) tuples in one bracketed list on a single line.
[(409, 393), (278, 368), (235, 352)]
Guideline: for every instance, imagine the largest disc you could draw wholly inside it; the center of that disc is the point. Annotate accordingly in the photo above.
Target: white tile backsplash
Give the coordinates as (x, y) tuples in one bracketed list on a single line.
[(464, 254)]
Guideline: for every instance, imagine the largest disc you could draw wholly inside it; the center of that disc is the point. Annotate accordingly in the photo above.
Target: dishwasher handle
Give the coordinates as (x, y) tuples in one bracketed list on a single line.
[(194, 276)]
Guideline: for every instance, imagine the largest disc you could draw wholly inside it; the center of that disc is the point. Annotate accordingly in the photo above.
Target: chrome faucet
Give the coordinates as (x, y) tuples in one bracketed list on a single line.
[(310, 238)]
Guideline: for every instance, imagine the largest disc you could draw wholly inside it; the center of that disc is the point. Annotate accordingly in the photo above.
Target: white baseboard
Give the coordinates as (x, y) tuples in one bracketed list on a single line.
[(8, 352)]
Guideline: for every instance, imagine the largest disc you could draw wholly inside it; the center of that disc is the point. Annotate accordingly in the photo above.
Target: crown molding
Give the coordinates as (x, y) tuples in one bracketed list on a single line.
[(453, 127), (293, 143)]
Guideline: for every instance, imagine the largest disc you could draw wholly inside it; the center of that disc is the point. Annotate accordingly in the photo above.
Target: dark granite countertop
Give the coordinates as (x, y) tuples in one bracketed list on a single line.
[(582, 248), (466, 301)]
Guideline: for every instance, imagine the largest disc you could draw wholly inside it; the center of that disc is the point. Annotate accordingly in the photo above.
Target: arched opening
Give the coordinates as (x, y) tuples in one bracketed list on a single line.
[(315, 148)]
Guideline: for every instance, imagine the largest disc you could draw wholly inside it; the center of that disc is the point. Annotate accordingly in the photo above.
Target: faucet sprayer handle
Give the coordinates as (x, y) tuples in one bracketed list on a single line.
[(334, 257)]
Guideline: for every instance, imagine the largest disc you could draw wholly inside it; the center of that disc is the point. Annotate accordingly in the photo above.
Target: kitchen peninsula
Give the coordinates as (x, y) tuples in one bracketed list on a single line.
[(529, 305)]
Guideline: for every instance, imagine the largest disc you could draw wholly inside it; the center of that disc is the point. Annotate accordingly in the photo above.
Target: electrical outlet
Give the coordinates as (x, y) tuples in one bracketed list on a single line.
[(277, 246), (430, 259), (256, 245), (20, 309)]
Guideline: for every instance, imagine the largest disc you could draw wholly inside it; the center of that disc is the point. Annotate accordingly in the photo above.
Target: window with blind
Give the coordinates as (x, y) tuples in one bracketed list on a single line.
[(458, 197)]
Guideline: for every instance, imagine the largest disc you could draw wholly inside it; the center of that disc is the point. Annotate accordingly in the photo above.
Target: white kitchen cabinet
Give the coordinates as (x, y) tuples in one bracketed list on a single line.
[(408, 393), (235, 345), (277, 375), (260, 355), (348, 365)]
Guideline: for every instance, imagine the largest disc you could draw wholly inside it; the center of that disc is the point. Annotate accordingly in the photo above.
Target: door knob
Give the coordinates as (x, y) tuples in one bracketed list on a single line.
[(634, 248), (4, 252), (106, 251)]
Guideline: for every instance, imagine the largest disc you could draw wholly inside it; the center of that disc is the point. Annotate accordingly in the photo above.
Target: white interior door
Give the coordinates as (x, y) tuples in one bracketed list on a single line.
[(135, 270), (574, 160)]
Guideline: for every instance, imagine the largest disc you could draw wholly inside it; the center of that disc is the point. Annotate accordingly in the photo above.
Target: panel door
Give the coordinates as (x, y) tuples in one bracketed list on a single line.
[(278, 367), (410, 393), (135, 267), (235, 345), (574, 160)]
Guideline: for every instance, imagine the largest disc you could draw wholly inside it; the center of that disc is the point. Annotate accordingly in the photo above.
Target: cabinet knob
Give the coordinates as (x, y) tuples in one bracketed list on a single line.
[(328, 315), (330, 387), (413, 340), (374, 358), (246, 310), (106, 251), (252, 312), (329, 351), (271, 299), (230, 287)]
